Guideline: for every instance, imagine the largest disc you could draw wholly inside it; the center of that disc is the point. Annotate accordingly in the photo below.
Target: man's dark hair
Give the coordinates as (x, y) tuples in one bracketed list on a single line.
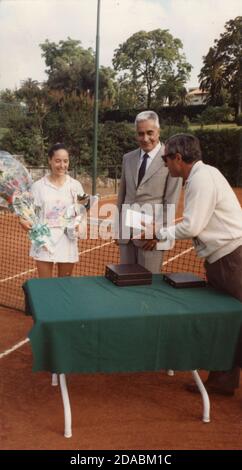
[(187, 145), (55, 147)]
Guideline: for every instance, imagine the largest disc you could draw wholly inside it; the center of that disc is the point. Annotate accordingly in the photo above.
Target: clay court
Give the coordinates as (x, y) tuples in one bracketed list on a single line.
[(148, 410)]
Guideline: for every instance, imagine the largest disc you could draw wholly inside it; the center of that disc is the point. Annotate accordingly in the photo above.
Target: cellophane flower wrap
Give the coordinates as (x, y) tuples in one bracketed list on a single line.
[(15, 189)]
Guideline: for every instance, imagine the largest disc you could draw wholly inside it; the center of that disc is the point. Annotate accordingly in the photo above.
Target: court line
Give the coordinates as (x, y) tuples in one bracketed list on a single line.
[(34, 269), (95, 248), (18, 275), (16, 346), (177, 256)]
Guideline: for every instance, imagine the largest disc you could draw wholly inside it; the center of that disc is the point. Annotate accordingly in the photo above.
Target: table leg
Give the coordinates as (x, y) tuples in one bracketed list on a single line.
[(54, 380), (205, 397), (67, 406)]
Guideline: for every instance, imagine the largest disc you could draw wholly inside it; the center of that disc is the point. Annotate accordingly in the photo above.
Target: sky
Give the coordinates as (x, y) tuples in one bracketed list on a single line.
[(24, 24)]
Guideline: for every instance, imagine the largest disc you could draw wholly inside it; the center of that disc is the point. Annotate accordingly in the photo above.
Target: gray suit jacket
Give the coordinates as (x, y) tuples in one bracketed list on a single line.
[(156, 187)]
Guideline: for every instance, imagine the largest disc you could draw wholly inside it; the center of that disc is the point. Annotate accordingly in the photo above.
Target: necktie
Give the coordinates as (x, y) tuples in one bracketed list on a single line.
[(142, 168)]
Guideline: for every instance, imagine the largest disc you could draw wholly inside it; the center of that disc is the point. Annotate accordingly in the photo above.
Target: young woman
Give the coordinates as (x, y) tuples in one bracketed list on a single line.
[(53, 194)]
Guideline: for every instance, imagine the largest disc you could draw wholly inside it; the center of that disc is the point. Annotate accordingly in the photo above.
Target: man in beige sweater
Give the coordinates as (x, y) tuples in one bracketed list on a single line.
[(213, 219)]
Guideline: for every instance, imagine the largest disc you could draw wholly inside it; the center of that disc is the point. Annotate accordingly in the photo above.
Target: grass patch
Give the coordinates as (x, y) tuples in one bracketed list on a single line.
[(213, 126)]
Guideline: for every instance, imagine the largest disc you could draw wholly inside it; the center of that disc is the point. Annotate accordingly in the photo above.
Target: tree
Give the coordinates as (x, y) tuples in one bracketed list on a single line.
[(71, 70), (38, 103), (70, 121), (149, 58), (173, 90), (23, 138), (8, 96), (130, 94), (61, 108), (115, 139), (221, 74), (10, 107)]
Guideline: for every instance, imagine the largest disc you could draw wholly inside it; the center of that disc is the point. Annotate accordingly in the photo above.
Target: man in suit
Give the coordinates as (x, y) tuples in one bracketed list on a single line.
[(145, 180)]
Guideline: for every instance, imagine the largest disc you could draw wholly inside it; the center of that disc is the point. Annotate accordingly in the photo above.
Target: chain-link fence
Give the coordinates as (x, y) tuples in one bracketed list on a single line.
[(107, 180)]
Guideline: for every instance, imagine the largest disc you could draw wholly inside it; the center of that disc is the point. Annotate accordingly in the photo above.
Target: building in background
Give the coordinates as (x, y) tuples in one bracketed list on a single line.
[(195, 96)]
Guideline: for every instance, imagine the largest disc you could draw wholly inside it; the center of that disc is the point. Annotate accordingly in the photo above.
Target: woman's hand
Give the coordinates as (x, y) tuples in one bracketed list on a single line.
[(25, 224)]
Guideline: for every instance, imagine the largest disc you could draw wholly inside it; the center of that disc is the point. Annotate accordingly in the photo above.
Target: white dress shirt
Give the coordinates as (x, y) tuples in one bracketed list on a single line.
[(151, 153)]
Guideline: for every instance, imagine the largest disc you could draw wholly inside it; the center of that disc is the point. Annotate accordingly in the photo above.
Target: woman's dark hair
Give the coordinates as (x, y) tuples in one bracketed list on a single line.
[(55, 147)]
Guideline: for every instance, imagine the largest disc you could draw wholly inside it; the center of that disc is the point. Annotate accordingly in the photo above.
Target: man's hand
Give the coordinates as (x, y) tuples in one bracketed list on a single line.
[(150, 245), (148, 230)]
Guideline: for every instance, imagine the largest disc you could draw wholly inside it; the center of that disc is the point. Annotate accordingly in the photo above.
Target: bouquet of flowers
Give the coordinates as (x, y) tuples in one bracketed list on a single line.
[(3, 203), (15, 186)]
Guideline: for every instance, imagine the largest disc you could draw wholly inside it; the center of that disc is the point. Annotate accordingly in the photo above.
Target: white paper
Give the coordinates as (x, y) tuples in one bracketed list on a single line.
[(165, 245)]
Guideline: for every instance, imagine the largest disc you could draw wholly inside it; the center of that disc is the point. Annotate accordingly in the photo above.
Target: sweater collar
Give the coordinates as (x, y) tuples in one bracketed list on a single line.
[(194, 169)]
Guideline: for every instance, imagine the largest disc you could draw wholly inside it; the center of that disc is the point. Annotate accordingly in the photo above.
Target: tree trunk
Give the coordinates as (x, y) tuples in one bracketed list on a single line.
[(149, 98), (240, 103)]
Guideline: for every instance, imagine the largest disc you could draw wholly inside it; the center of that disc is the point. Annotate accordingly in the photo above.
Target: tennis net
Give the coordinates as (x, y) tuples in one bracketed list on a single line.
[(16, 266)]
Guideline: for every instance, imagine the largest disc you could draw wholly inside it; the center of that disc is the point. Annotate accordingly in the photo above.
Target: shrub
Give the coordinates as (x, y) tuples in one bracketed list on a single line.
[(222, 149), (217, 114), (167, 114), (239, 119), (115, 139)]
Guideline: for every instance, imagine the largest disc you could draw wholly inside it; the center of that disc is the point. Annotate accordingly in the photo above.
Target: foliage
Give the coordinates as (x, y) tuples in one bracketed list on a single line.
[(221, 74), (71, 70), (24, 138), (154, 70), (130, 94), (69, 121), (168, 131), (10, 107), (151, 59), (8, 96), (217, 114), (38, 102), (167, 114), (172, 90), (115, 139), (3, 131), (239, 119), (221, 148)]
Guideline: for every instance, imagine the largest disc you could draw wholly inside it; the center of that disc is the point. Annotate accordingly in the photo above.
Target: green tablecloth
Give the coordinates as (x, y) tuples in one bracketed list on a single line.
[(87, 324)]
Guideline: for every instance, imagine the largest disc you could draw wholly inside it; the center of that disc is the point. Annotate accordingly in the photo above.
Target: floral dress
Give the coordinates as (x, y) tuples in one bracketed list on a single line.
[(51, 203)]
